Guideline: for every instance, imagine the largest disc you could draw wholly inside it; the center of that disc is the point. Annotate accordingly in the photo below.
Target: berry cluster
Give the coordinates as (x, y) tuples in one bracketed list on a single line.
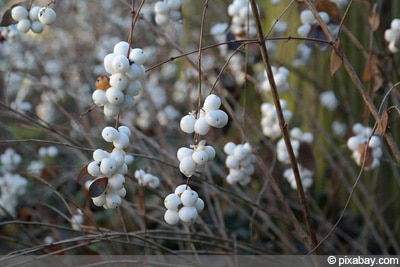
[(147, 179), (111, 168), (168, 10), (269, 121), (306, 177), (183, 205), (33, 19), (296, 137), (329, 100), (242, 23), (392, 35), (310, 26), (240, 162), (365, 153), (117, 92), (209, 116), (12, 184), (280, 77), (194, 159)]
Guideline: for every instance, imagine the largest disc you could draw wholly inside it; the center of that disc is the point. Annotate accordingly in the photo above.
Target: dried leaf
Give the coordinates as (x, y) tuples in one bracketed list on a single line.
[(83, 172), (335, 61), (382, 123), (98, 187), (329, 7), (374, 21), (306, 156), (366, 155), (369, 70)]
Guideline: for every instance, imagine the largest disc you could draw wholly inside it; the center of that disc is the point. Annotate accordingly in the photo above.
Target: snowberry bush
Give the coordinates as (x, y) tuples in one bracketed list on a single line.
[(153, 127)]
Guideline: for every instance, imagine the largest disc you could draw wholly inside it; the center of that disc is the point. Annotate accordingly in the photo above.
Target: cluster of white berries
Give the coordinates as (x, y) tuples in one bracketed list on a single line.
[(240, 162), (329, 100), (183, 205), (12, 184), (365, 153), (194, 159), (147, 179), (296, 138), (280, 77), (309, 21), (392, 35), (111, 166), (168, 10), (242, 23), (306, 177), (117, 92), (210, 116), (269, 121), (33, 19)]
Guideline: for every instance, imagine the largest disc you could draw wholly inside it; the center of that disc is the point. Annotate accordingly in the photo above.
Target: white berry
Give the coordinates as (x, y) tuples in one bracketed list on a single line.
[(47, 15), (172, 202), (171, 217), (189, 198)]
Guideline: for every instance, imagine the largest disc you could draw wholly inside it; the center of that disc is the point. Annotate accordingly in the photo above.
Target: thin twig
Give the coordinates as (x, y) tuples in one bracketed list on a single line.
[(283, 125)]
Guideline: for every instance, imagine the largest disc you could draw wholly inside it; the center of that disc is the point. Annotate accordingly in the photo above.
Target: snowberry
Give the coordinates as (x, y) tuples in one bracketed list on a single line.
[(171, 217), (108, 166), (34, 13), (116, 182), (187, 123), (229, 148), (37, 26), (108, 59), (175, 15), (240, 152), (210, 152), (119, 156), (99, 98), (121, 48), (125, 130), (161, 8), (113, 200), (201, 126), (217, 118), (111, 110), (129, 159), (200, 157), (172, 202), (110, 134), (114, 96), (93, 169), (212, 102), (47, 15), (134, 72), (187, 166), (161, 19), (137, 56), (184, 152), (99, 155), (24, 25), (303, 30), (19, 13), (307, 17), (100, 200), (120, 63), (199, 205), (122, 142), (119, 81), (133, 88), (179, 189), (188, 214), (189, 198), (174, 4), (231, 162), (395, 24), (121, 192)]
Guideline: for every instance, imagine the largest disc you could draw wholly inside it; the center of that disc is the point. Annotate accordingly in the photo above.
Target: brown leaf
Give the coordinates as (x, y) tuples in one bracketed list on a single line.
[(382, 123), (306, 156), (83, 172), (374, 21), (98, 187), (335, 61), (366, 155)]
